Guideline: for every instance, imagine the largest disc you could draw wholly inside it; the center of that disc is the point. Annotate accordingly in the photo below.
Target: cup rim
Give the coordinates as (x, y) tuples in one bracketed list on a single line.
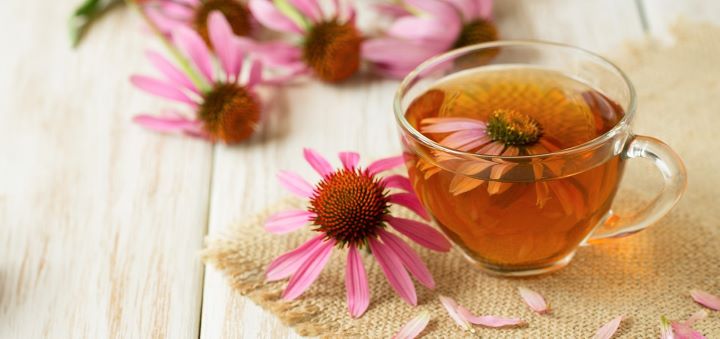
[(588, 145)]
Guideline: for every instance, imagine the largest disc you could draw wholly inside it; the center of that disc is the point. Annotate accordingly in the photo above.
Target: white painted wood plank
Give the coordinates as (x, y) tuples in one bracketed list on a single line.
[(662, 14), (358, 116), (100, 221)]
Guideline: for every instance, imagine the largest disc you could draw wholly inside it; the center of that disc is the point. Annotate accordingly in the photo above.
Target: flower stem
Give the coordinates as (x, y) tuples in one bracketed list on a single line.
[(181, 60)]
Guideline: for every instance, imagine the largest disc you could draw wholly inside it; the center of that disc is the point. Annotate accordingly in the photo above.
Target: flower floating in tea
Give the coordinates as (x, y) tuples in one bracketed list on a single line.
[(168, 15), (425, 28), (350, 208), (225, 107), (330, 46)]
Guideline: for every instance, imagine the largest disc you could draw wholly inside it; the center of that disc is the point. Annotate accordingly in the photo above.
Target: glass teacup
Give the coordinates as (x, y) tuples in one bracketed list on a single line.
[(518, 202)]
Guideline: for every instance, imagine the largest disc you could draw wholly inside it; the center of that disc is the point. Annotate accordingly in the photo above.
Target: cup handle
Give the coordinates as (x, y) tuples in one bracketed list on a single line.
[(673, 171)]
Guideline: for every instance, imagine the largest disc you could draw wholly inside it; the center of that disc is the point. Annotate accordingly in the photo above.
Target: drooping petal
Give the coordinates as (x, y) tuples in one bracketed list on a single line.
[(266, 13), (421, 233), (221, 36), (161, 89), (349, 159), (288, 263), (414, 327), (706, 299), (171, 72), (356, 284), (398, 181), (288, 221), (399, 52), (394, 272), (609, 329), (295, 184), (409, 258), (410, 201), (309, 271), (426, 29), (452, 308), (534, 300), (485, 8), (166, 124), (386, 164), (309, 8), (196, 49), (255, 75), (318, 162), (488, 320)]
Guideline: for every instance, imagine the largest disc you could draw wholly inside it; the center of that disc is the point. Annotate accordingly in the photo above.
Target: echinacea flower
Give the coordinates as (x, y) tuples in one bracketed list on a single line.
[(168, 15), (706, 299), (330, 44), (463, 317), (413, 327), (534, 300), (670, 329), (428, 28), (609, 329), (225, 105), (350, 208), (506, 133)]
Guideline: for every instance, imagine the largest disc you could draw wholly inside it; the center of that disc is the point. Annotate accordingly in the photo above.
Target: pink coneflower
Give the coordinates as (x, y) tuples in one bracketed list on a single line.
[(330, 44), (350, 208), (168, 15), (424, 28), (226, 107), (506, 133)]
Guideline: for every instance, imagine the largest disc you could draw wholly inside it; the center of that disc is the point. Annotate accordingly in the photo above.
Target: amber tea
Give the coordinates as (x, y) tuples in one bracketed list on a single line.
[(513, 111)]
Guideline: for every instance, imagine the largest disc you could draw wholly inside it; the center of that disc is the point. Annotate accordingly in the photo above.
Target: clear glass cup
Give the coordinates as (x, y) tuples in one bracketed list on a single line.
[(583, 179)]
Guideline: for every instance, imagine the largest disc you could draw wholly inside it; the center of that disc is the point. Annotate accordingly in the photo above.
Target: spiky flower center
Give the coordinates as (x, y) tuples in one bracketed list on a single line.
[(350, 206), (475, 32), (236, 13), (513, 128), (230, 112), (332, 50)]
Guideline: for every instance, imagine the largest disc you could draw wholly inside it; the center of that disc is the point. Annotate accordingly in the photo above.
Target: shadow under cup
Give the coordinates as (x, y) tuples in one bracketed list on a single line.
[(526, 215)]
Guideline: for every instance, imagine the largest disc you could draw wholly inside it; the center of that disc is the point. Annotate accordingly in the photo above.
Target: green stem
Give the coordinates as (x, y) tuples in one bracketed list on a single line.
[(183, 62)]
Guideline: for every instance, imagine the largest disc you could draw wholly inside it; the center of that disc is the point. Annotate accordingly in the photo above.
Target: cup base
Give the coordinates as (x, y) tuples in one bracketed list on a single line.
[(520, 272)]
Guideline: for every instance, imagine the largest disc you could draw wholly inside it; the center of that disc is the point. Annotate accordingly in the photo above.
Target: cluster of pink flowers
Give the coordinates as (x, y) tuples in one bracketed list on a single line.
[(312, 37)]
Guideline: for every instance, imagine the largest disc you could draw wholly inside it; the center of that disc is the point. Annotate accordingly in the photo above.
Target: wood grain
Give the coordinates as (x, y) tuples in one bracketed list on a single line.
[(100, 221), (358, 116)]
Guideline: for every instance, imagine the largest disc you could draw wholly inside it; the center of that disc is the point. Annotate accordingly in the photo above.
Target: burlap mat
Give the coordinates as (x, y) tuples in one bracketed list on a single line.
[(641, 277)]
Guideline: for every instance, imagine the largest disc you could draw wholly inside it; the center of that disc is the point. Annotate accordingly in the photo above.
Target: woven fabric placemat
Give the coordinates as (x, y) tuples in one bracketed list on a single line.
[(642, 277)]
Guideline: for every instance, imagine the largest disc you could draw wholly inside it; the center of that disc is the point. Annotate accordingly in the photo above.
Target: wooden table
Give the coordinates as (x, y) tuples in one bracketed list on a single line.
[(101, 222)]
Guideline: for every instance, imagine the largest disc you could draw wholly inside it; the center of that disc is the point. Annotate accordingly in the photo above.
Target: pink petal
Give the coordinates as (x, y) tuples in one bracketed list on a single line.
[(422, 29), (666, 331), (467, 139), (706, 299), (485, 8), (275, 53), (398, 52), (256, 73), (269, 16), (468, 8), (386, 164), (166, 124), (288, 221), (413, 327), (177, 10), (288, 263), (699, 315), (318, 162), (409, 258), (445, 125), (194, 47), (171, 72), (609, 329), (391, 9), (452, 308), (309, 8), (394, 271), (398, 181), (441, 10), (164, 23), (421, 233), (309, 271), (533, 299), (295, 184), (488, 320), (221, 36), (684, 331), (356, 284), (349, 159), (161, 89), (410, 201)]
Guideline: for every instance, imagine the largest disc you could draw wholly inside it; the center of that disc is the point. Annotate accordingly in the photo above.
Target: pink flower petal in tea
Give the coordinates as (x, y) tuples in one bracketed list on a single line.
[(452, 308), (609, 329), (706, 299), (356, 283), (413, 327), (488, 320), (534, 300)]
